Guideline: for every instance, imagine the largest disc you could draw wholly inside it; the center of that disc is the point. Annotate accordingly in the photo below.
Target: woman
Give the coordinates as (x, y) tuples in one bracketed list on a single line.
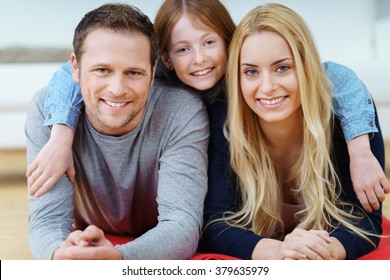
[(289, 193)]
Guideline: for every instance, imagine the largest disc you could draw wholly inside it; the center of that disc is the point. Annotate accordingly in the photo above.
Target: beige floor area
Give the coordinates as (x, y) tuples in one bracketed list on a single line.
[(14, 207), (14, 220)]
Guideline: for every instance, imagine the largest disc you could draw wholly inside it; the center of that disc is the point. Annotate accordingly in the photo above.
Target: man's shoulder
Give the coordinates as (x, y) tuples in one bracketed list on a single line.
[(168, 102), (173, 94), (39, 95), (38, 100)]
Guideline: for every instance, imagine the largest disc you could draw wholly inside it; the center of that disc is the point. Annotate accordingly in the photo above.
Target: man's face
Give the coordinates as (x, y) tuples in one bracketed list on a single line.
[(115, 75)]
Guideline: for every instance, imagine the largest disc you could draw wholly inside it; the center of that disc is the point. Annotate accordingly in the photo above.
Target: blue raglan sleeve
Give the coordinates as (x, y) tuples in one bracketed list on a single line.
[(352, 102), (223, 196), (64, 101)]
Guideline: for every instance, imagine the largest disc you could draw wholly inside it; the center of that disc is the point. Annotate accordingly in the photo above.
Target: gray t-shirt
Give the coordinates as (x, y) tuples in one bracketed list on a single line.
[(149, 183)]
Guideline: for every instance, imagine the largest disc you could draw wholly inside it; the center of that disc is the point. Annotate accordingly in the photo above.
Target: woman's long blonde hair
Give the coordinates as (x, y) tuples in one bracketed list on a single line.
[(317, 182)]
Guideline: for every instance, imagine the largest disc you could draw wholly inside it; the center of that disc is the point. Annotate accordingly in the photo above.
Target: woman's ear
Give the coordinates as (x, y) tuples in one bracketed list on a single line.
[(167, 61)]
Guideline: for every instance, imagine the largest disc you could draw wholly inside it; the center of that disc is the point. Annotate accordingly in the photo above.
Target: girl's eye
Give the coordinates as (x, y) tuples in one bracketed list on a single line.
[(182, 50), (209, 42)]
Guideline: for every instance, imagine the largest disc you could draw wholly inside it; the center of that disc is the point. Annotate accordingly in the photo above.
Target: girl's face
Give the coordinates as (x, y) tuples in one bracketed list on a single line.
[(196, 53), (268, 78)]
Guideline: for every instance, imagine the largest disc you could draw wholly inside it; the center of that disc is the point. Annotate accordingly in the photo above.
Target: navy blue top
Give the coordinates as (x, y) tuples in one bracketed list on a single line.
[(224, 195)]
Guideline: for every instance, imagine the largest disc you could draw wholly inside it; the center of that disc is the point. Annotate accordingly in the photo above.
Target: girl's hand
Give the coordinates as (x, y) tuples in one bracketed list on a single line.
[(369, 180), (52, 162)]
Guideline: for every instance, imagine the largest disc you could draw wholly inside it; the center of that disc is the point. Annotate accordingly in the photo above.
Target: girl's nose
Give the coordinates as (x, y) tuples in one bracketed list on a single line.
[(200, 57)]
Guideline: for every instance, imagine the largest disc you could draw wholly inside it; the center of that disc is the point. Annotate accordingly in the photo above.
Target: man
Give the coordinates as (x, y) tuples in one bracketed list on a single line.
[(140, 152)]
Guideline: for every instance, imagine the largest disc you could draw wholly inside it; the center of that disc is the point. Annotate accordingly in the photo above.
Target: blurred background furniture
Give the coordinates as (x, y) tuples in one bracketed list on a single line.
[(355, 33)]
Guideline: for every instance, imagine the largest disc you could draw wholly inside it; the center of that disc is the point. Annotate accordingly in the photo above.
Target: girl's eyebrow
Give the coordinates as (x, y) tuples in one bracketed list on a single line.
[(186, 41), (179, 43)]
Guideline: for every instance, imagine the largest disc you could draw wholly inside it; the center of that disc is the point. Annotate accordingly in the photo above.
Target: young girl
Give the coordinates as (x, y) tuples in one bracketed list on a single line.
[(289, 194), (194, 37)]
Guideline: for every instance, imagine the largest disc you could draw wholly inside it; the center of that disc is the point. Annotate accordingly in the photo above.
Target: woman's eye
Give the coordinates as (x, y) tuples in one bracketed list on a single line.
[(282, 68), (250, 72)]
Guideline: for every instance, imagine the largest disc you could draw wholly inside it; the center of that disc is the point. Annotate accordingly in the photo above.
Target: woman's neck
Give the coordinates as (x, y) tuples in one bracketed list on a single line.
[(284, 139), (285, 146)]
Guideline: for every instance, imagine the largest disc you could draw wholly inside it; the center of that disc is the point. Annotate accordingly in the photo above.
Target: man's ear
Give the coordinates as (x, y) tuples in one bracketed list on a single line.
[(75, 68), (167, 61)]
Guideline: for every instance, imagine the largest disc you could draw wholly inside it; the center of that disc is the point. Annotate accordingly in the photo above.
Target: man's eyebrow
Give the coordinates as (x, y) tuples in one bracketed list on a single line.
[(106, 65)]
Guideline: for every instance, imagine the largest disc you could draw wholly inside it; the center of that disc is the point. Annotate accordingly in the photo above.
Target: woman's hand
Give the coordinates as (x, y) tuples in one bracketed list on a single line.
[(300, 244), (309, 245)]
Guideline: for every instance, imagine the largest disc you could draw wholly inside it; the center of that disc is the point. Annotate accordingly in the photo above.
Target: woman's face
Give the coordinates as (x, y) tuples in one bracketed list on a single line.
[(196, 53), (268, 77)]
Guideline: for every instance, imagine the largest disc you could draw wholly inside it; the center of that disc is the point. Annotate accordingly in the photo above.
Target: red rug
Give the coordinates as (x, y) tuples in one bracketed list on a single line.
[(380, 253), (118, 239), (383, 250)]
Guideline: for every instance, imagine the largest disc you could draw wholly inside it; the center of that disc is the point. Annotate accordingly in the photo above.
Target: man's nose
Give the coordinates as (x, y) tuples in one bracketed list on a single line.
[(117, 85)]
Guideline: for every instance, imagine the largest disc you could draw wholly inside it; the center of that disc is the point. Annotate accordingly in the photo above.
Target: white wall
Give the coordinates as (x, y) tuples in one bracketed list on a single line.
[(346, 31)]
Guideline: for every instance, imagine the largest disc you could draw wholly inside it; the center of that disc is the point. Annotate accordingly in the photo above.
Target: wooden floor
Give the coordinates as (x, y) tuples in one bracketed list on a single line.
[(14, 207), (14, 221)]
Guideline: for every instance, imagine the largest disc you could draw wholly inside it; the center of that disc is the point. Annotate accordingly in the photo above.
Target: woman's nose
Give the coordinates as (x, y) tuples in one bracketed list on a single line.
[(268, 83)]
